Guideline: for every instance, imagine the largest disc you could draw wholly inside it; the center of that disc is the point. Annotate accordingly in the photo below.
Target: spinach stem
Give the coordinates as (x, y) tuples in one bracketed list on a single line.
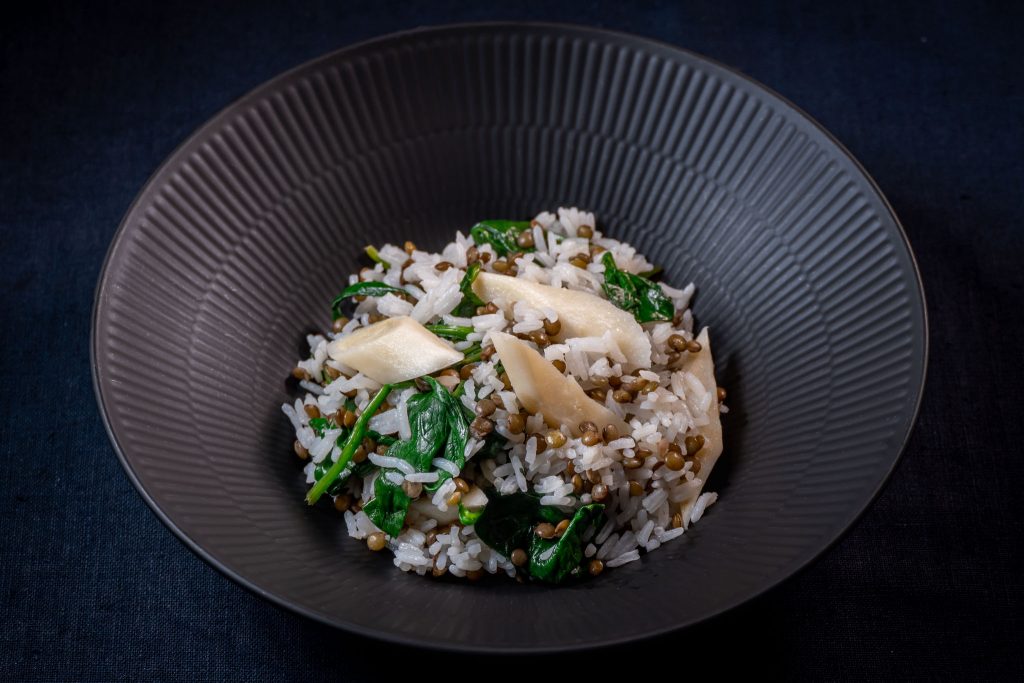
[(353, 442), (456, 332), (371, 251), (472, 355)]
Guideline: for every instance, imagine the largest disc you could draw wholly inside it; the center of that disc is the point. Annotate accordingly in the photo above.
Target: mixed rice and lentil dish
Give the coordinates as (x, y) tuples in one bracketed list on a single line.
[(528, 401)]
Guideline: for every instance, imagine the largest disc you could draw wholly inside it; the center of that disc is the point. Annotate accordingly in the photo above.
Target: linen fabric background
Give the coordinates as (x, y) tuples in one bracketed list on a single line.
[(929, 584)]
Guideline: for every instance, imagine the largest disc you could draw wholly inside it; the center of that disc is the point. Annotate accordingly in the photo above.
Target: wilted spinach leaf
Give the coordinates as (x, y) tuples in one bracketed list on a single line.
[(389, 505), (638, 295), (500, 234), (555, 559), (361, 289), (470, 301), (439, 429)]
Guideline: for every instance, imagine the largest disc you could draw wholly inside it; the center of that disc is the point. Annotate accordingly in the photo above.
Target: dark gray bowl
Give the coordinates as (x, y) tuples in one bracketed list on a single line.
[(236, 245)]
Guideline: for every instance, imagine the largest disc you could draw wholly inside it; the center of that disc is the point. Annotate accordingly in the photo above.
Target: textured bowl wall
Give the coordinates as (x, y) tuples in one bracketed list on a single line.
[(235, 248)]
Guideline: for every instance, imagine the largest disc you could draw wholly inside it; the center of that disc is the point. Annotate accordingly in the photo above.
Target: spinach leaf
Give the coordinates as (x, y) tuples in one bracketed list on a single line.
[(507, 522), (439, 428), (319, 425), (389, 505), (458, 436), (638, 295), (453, 332), (470, 301), (362, 289), (555, 559), (385, 439), (500, 234), (428, 426)]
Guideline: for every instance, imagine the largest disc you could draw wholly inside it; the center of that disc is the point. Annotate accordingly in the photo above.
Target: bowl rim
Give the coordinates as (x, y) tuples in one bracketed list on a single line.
[(255, 93)]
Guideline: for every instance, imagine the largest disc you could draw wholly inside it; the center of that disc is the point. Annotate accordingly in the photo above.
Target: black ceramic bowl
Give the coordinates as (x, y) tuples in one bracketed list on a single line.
[(234, 248)]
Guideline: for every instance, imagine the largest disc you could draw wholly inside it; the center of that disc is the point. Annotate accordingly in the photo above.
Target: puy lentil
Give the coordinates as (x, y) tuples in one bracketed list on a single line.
[(481, 427), (552, 327), (677, 342), (545, 530), (674, 461), (376, 541), (555, 438), (595, 567), (300, 450), (694, 444), (599, 492), (516, 423), (485, 407), (610, 433), (578, 261), (519, 557)]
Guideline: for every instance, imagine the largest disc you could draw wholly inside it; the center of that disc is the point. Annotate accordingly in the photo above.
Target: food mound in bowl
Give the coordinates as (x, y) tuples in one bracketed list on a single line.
[(528, 401)]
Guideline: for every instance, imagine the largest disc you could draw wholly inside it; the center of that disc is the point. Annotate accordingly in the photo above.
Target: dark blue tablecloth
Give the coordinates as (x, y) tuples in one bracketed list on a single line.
[(930, 583)]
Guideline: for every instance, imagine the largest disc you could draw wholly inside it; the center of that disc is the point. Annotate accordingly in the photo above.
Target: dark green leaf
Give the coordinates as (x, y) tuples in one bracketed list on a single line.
[(389, 505), (508, 521), (320, 425), (439, 428), (555, 559), (429, 426), (470, 301), (362, 289), (385, 439), (500, 234), (638, 295), (453, 332)]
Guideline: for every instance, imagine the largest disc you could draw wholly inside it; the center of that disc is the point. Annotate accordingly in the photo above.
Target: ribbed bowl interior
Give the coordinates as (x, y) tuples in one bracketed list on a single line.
[(234, 249)]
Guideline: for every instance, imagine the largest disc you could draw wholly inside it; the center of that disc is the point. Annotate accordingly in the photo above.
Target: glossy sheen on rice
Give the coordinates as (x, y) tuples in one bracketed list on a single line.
[(648, 475)]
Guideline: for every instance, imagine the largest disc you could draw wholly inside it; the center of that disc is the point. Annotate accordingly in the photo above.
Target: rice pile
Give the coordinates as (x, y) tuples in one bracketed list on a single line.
[(644, 500)]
